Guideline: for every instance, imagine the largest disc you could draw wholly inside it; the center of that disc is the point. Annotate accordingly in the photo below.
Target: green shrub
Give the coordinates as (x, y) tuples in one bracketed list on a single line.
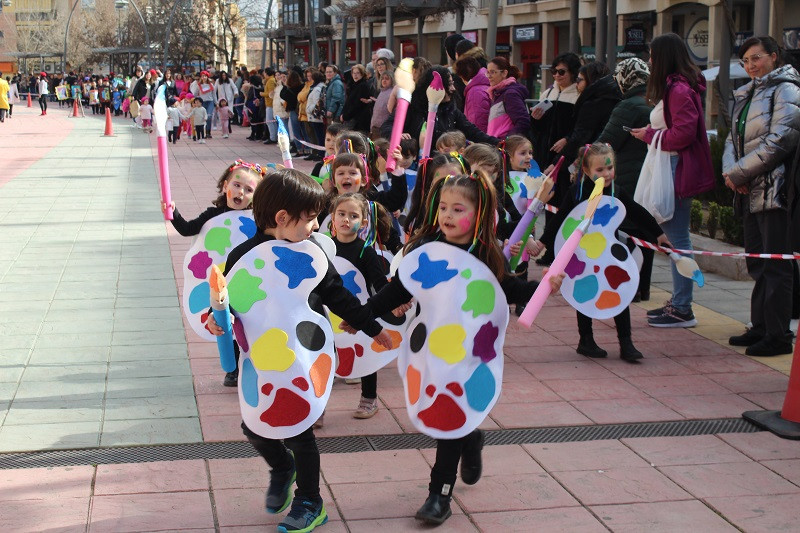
[(720, 194), (696, 216), (732, 229), (713, 219)]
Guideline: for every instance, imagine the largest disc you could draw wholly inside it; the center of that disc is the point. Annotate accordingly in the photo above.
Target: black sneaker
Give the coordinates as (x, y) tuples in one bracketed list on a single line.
[(278, 494), (304, 517), (471, 461), (435, 510), (768, 347), (672, 318), (231, 379), (749, 338), (660, 310)]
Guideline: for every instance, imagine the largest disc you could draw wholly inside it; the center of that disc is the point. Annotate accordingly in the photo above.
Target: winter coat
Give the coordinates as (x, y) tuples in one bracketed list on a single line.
[(313, 97), (228, 91), (761, 159), (169, 90), (508, 114), (448, 118), (686, 134), (142, 89), (334, 97), (381, 108), (302, 100), (556, 123), (633, 112), (208, 95), (356, 110), (477, 101), (592, 111)]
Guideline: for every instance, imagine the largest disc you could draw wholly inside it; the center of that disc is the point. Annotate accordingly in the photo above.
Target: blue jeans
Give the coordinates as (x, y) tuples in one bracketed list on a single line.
[(677, 231), (298, 131), (272, 125), (209, 107)]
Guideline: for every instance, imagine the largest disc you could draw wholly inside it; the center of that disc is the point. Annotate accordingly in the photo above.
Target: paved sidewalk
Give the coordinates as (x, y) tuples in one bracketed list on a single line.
[(95, 355)]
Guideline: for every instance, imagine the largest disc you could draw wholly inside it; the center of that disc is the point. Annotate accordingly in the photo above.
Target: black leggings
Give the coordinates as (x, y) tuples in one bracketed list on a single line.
[(445, 469), (306, 459), (369, 386), (200, 132), (43, 102), (622, 321)]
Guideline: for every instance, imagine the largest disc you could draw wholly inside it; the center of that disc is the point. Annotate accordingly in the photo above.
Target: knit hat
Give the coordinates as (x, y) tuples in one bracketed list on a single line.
[(43, 74), (153, 72), (145, 100), (631, 73), (450, 44), (204, 73)]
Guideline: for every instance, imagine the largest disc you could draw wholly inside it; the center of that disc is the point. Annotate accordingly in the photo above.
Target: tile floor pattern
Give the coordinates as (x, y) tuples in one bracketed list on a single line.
[(125, 373)]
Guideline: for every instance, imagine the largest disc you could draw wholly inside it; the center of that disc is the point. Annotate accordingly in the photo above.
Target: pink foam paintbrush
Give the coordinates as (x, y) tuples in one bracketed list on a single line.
[(562, 259), (160, 111), (405, 86), (435, 93)]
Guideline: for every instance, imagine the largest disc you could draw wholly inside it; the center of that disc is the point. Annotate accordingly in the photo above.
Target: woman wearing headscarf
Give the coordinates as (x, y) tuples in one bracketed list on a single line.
[(632, 111)]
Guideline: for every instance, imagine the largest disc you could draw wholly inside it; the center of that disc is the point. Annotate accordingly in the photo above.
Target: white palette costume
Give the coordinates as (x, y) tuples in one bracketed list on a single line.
[(452, 358), (602, 276), (211, 246), (525, 187), (358, 355), (286, 364)]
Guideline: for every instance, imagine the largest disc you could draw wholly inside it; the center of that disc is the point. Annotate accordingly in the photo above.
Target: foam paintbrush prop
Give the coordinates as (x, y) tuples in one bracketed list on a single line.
[(160, 111), (528, 221), (405, 86), (283, 144), (222, 316), (562, 259), (435, 93), (688, 268)]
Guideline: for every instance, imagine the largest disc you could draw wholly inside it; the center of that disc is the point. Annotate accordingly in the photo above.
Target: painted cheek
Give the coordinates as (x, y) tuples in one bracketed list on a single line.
[(356, 225), (465, 223)]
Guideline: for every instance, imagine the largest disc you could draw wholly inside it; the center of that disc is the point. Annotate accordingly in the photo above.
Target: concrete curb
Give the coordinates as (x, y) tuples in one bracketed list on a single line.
[(731, 267)]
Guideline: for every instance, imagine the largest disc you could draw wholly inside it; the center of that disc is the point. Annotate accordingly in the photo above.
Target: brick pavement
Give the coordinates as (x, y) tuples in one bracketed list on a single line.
[(94, 248)]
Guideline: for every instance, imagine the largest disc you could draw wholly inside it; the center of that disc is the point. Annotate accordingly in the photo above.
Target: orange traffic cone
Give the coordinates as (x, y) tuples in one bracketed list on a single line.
[(245, 121), (109, 127), (75, 107), (29, 100), (785, 423)]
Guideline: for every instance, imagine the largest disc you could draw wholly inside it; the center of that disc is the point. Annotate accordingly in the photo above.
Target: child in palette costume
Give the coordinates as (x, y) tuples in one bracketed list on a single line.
[(452, 358), (278, 281), (602, 276), (218, 230)]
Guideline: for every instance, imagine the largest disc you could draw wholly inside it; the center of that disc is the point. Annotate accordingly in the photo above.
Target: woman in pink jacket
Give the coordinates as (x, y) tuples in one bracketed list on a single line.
[(508, 114), (477, 101)]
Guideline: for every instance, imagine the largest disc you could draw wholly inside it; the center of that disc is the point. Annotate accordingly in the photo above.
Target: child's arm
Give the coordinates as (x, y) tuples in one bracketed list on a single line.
[(390, 297), (643, 225), (373, 269), (520, 291), (344, 304), (192, 227)]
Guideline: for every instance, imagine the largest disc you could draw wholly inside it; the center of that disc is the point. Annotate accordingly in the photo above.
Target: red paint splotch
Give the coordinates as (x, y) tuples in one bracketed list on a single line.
[(267, 389), (444, 414), (616, 276), (347, 357), (300, 383), (430, 390), (455, 388), (288, 409)]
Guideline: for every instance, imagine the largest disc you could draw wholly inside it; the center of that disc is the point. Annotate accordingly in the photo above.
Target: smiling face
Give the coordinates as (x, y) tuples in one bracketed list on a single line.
[(456, 216), (562, 76), (329, 73), (495, 74), (600, 166), (757, 62), (521, 158), (348, 219), (347, 179), (239, 189)]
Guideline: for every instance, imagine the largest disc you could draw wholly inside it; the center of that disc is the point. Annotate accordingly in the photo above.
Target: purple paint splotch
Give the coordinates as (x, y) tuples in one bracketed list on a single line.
[(199, 264), (575, 267), (483, 345)]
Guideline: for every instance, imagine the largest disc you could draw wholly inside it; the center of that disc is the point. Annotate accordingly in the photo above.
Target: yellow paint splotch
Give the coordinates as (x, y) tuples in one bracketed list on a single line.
[(447, 343), (594, 244), (271, 352)]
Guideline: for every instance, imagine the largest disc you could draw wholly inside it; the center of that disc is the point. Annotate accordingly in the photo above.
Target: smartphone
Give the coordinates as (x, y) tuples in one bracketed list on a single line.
[(627, 128)]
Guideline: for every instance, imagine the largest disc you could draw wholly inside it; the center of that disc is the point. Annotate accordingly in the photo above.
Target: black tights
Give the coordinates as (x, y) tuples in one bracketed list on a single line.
[(306, 459), (445, 469), (622, 321), (43, 102), (369, 386)]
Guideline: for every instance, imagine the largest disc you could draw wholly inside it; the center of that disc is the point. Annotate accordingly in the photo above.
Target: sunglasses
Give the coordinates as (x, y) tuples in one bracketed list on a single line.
[(560, 71)]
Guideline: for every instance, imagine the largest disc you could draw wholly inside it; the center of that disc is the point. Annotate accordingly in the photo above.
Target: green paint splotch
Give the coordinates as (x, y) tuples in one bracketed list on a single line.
[(480, 298), (466, 273), (569, 226), (259, 264), (244, 290), (218, 240)]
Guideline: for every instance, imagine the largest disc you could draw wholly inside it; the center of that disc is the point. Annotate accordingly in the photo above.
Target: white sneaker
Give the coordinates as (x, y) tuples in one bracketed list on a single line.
[(202, 141), (225, 136)]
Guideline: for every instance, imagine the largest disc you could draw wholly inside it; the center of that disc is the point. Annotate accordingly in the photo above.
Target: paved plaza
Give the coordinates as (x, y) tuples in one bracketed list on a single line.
[(101, 379)]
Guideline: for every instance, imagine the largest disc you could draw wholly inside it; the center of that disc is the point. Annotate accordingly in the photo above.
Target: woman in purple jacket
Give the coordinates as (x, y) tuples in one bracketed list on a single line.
[(675, 87), (477, 101), (508, 114)]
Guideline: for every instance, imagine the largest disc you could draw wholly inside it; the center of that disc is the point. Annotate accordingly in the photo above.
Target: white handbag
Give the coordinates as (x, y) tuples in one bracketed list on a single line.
[(655, 190)]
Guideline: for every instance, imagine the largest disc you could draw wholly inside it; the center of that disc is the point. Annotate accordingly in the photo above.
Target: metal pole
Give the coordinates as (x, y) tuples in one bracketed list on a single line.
[(370, 37), (459, 20), (761, 18), (726, 39), (600, 36), (264, 40), (491, 31), (286, 47), (312, 25), (66, 33), (146, 33), (343, 45), (390, 32), (169, 30), (611, 38), (574, 36), (421, 36), (358, 41)]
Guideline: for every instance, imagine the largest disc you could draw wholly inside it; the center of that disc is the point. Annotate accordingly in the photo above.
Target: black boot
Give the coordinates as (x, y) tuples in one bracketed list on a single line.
[(471, 462), (435, 510), (589, 348), (627, 351)]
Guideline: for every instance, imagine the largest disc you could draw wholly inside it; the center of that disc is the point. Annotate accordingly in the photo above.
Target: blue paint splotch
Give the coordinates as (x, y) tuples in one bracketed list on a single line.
[(200, 298), (585, 289), (431, 273), (249, 383), (349, 282), (247, 226), (296, 265), (480, 388), (604, 214)]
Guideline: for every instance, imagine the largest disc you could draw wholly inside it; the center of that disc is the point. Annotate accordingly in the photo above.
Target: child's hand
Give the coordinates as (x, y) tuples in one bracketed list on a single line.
[(664, 241), (396, 214), (555, 281), (514, 248), (400, 311), (347, 328), (397, 154), (535, 247), (383, 339), (164, 206), (212, 326)]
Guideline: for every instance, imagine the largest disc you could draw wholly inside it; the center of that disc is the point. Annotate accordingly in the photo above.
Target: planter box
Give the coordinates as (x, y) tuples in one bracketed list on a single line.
[(730, 267)]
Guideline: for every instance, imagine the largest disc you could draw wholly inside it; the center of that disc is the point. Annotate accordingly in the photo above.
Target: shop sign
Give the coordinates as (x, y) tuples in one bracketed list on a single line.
[(528, 33), (470, 36), (697, 41), (503, 48), (634, 38)]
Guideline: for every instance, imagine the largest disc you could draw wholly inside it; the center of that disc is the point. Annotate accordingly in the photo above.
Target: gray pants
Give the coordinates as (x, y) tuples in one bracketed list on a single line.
[(771, 301)]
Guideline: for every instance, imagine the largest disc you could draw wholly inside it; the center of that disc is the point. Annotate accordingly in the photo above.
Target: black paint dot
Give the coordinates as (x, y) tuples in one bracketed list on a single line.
[(619, 252), (311, 336), (418, 337)]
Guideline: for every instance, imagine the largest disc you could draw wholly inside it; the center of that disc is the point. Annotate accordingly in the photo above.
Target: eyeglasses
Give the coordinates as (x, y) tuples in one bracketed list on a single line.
[(492, 72), (752, 59), (579, 79), (560, 71)]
